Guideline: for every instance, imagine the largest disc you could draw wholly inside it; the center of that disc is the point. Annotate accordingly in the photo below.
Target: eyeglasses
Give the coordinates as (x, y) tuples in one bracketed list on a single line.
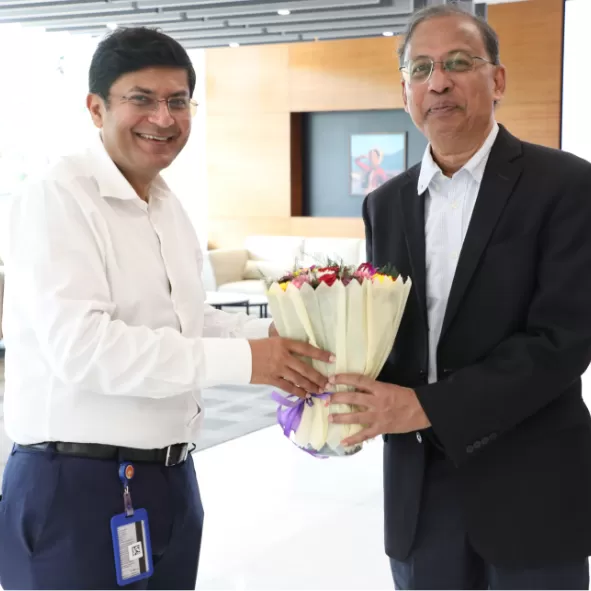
[(177, 105), (420, 70)]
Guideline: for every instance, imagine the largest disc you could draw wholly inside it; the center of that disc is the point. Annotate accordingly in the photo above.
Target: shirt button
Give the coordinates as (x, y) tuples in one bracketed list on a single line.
[(454, 205), (419, 438), (454, 255)]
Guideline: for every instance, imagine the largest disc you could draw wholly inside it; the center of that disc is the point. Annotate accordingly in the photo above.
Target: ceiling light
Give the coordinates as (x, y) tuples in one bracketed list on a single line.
[(284, 12), (388, 34), (233, 44), (112, 26)]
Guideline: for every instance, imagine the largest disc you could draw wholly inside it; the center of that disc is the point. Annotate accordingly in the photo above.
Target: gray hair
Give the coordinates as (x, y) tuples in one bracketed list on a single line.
[(489, 36)]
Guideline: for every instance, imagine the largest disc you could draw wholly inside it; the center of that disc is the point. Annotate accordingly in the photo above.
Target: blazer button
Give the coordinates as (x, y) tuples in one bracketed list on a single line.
[(470, 449), (419, 438)]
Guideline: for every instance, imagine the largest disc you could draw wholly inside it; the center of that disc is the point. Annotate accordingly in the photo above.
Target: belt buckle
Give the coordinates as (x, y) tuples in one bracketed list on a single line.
[(183, 454)]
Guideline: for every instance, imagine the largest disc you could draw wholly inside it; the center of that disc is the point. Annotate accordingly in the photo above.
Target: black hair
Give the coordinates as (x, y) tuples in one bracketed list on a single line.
[(489, 36), (131, 49)]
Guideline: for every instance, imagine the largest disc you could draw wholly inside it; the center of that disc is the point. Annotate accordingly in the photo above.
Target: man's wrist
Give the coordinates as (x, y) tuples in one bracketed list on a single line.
[(420, 417)]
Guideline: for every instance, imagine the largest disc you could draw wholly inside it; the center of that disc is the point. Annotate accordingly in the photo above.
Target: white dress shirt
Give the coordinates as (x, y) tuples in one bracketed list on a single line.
[(107, 336), (449, 203)]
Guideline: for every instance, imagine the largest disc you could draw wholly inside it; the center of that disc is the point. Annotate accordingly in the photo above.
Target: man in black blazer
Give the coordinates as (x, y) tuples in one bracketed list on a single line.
[(487, 454)]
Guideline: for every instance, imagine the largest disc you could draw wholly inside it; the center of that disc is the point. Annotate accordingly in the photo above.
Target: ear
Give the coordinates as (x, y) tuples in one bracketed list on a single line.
[(499, 83), (97, 107), (404, 96)]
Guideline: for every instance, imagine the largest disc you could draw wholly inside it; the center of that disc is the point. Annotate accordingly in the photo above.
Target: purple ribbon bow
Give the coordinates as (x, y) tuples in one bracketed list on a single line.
[(290, 417)]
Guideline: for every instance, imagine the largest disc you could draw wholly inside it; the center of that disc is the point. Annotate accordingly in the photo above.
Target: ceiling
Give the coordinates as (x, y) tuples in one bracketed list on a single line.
[(215, 23)]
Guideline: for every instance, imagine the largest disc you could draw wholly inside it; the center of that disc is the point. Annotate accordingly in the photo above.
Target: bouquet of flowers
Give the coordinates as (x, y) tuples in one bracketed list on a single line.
[(353, 312)]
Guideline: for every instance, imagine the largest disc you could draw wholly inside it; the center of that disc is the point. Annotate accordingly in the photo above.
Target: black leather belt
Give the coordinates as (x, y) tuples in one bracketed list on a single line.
[(169, 456)]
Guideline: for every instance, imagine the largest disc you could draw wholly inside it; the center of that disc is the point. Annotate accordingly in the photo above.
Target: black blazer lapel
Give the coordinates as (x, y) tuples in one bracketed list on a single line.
[(500, 176), (413, 216)]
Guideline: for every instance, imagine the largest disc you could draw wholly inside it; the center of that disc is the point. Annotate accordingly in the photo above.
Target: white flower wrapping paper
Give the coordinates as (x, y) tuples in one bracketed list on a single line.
[(358, 322)]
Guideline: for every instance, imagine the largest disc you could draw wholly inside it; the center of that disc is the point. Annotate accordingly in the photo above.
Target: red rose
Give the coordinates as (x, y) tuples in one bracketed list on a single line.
[(328, 278)]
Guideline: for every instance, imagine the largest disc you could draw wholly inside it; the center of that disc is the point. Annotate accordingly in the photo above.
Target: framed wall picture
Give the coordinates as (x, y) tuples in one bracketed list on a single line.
[(375, 158)]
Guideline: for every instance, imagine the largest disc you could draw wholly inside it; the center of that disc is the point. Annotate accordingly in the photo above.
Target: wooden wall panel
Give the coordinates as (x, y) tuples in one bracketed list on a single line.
[(535, 122), (330, 227), (251, 79), (530, 35), (248, 165), (251, 92), (230, 232), (344, 75)]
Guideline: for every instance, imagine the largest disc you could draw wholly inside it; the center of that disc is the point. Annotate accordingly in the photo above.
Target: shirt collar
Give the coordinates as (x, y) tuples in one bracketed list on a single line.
[(475, 166), (111, 181)]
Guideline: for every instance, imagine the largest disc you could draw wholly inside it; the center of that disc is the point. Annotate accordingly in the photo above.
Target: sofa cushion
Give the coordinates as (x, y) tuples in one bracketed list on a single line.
[(227, 264), (263, 270), (350, 251), (282, 250), (248, 286)]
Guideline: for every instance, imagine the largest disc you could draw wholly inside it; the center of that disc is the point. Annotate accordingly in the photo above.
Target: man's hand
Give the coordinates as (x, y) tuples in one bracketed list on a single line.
[(274, 362), (384, 408)]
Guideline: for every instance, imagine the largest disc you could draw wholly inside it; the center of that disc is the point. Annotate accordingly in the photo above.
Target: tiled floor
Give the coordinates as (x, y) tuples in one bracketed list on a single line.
[(279, 519), (231, 412)]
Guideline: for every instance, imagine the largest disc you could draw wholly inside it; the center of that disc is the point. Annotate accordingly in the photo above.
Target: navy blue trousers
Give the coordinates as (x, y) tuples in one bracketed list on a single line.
[(55, 522), (443, 558)]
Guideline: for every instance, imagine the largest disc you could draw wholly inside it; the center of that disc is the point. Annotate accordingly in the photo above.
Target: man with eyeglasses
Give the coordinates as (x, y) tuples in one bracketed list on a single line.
[(109, 343), (487, 453)]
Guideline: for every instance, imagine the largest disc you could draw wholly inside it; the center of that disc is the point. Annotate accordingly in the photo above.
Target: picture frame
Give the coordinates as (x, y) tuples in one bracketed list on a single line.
[(374, 159)]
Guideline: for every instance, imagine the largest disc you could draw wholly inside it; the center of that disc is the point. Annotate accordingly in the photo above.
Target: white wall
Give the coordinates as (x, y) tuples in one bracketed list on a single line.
[(576, 105)]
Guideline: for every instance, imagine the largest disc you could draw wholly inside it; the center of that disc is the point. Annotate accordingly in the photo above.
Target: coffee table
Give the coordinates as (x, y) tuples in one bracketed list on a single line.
[(218, 299), (261, 302)]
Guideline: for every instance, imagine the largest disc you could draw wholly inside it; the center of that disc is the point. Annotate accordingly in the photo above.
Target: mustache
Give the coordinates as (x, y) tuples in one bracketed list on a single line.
[(443, 104)]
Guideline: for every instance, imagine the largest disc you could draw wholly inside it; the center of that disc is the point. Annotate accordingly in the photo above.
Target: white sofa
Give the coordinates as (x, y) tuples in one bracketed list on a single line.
[(243, 270)]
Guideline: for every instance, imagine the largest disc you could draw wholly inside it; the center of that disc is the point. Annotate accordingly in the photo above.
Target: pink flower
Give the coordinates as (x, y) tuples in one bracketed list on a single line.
[(300, 280), (366, 270)]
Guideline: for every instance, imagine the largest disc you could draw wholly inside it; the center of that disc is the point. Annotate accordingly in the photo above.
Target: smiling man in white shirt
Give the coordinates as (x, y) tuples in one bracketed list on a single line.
[(109, 344)]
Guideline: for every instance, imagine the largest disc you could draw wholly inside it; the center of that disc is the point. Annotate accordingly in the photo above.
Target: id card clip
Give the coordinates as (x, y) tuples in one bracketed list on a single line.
[(126, 472)]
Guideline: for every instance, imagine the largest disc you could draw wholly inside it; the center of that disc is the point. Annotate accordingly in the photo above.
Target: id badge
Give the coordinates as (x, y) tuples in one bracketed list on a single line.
[(132, 547)]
